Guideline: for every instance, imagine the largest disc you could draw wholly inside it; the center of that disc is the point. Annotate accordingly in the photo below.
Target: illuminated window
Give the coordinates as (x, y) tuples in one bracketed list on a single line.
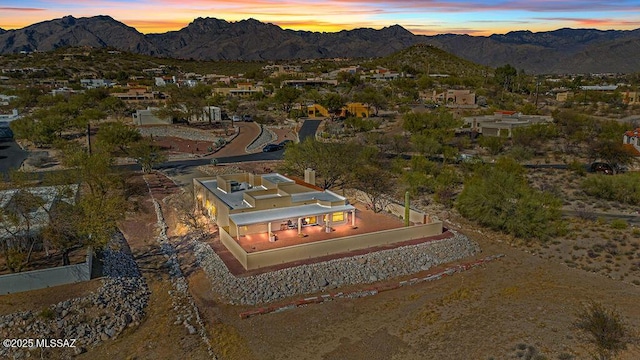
[(337, 217)]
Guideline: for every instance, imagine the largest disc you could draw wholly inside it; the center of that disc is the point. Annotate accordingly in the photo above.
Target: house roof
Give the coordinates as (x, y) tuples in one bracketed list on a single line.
[(631, 149), (634, 133), (293, 212)]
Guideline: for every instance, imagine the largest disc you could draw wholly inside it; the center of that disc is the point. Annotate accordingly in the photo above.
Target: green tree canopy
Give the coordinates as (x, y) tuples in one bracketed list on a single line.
[(117, 136), (286, 96), (500, 198), (333, 162)]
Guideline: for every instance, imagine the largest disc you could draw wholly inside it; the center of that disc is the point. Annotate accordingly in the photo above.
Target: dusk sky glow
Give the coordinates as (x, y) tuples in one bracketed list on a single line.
[(428, 17)]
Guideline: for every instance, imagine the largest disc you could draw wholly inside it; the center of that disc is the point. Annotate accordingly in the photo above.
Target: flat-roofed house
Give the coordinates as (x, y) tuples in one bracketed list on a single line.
[(270, 219), (502, 123)]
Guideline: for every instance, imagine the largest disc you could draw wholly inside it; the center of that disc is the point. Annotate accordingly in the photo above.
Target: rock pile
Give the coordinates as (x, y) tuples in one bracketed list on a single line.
[(186, 310), (312, 278), (119, 303), (266, 136)]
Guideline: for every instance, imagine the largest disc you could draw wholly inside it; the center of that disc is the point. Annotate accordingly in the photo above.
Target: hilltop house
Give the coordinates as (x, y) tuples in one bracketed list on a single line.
[(138, 94), (95, 83), (452, 98), (241, 90), (350, 109), (631, 98), (269, 219)]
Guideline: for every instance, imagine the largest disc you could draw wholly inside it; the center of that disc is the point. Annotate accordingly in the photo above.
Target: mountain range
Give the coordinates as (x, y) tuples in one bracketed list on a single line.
[(559, 51)]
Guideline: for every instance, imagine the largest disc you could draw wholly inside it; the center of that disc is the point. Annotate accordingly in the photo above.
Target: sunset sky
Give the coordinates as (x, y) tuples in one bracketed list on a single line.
[(429, 17)]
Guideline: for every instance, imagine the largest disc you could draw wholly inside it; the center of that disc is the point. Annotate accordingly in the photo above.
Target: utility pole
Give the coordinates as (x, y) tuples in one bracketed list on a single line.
[(537, 88), (89, 137)]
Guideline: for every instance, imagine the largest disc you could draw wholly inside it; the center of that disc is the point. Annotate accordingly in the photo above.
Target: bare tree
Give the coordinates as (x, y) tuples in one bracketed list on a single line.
[(187, 211)]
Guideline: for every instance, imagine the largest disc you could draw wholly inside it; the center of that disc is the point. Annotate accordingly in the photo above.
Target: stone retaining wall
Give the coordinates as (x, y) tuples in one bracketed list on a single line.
[(312, 278)]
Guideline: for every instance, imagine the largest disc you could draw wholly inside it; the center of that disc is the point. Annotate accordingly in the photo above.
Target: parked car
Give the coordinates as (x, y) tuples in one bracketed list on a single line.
[(284, 143), (601, 168), (271, 147), (607, 169), (236, 118), (469, 159), (5, 132), (247, 118)]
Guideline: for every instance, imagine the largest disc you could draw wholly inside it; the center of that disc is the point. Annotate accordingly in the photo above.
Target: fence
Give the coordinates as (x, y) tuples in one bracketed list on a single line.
[(44, 278)]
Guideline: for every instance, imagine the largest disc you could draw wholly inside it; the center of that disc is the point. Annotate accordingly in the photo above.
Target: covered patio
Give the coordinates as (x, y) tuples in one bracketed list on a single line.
[(364, 221)]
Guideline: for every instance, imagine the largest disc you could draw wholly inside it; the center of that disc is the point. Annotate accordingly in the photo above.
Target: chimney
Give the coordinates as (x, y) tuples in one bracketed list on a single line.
[(310, 176)]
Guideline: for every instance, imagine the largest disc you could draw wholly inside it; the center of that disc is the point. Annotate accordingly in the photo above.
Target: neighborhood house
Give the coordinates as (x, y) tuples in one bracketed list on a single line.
[(253, 210)]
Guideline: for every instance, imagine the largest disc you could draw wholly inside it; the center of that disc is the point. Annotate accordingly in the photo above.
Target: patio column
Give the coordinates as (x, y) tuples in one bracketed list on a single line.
[(299, 226), (269, 228), (353, 217), (328, 224)]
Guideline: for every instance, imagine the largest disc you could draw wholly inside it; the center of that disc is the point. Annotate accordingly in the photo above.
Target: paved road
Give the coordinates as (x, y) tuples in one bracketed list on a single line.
[(248, 131), (308, 129), (631, 219), (11, 155)]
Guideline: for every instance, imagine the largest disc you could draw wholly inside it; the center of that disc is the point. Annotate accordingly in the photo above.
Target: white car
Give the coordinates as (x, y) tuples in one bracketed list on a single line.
[(236, 118)]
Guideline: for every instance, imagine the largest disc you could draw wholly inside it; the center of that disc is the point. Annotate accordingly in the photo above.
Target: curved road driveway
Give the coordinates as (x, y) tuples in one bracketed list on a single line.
[(248, 131), (308, 129)]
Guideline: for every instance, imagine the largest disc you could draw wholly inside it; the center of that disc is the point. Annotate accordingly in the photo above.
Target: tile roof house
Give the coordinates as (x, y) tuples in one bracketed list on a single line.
[(631, 140)]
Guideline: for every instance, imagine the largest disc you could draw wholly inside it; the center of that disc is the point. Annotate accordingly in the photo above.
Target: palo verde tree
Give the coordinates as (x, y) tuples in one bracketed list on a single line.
[(372, 97), (116, 135), (333, 162), (376, 183), (333, 102), (286, 96), (432, 132), (185, 102), (18, 217), (500, 198), (146, 154), (101, 202)]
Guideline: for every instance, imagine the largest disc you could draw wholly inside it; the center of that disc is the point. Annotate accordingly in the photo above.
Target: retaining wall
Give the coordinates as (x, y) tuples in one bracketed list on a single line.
[(44, 278), (260, 259)]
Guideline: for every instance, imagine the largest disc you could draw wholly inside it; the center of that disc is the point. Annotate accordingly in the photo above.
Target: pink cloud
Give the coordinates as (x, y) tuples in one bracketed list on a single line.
[(20, 9)]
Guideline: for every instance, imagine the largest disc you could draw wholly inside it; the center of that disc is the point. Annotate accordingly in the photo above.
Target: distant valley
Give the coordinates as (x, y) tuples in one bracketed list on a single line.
[(559, 51)]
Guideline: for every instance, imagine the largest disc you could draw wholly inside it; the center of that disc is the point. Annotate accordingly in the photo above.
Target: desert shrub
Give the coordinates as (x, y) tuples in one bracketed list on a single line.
[(499, 197), (47, 313), (624, 188), (619, 224), (604, 328), (565, 356), (578, 168)]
